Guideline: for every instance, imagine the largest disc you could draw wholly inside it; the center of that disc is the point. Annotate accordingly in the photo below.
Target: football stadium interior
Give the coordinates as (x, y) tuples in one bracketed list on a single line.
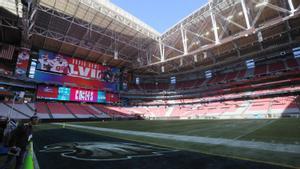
[(219, 89)]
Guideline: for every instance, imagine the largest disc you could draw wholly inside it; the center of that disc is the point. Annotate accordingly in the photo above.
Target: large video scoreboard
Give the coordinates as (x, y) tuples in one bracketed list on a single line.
[(68, 71)]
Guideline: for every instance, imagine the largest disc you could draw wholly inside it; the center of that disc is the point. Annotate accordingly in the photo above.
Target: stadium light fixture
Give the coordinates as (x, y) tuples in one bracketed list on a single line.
[(230, 17), (216, 28), (163, 69), (264, 3), (195, 58), (116, 55), (195, 43), (204, 55)]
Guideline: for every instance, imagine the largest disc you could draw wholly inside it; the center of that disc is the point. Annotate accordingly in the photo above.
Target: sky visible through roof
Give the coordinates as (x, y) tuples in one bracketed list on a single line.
[(160, 14)]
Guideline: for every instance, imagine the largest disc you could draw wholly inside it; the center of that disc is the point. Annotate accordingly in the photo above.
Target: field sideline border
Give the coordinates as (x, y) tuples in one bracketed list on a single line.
[(185, 149), (35, 161)]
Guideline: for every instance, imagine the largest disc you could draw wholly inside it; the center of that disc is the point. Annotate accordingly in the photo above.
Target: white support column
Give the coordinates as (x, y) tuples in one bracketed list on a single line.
[(148, 57), (195, 58), (291, 7), (116, 52), (246, 14), (184, 39), (161, 51), (181, 61), (162, 54), (116, 55), (213, 20)]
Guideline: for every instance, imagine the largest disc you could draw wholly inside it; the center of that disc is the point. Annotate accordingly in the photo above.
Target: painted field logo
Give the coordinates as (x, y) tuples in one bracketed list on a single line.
[(104, 151)]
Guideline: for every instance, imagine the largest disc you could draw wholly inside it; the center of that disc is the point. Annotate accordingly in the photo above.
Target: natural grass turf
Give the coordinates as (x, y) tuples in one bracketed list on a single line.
[(281, 159), (276, 131), (282, 131)]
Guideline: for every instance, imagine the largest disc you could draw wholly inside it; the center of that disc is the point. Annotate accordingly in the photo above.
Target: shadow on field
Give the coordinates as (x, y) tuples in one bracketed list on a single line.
[(63, 148)]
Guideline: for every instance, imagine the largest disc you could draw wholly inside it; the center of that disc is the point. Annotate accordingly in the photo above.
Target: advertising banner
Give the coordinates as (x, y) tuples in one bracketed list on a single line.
[(70, 94), (64, 93), (22, 63), (101, 97), (57, 63), (47, 92), (112, 98), (83, 95)]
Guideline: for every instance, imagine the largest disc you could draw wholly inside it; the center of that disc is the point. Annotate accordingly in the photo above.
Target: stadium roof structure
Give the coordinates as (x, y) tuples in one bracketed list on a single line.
[(99, 31)]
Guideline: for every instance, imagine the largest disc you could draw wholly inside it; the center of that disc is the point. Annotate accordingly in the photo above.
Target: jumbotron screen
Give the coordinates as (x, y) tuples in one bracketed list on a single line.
[(63, 70), (71, 94)]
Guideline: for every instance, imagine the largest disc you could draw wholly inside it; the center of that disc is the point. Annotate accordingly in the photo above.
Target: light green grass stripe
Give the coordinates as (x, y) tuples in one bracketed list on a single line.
[(286, 148), (185, 148)]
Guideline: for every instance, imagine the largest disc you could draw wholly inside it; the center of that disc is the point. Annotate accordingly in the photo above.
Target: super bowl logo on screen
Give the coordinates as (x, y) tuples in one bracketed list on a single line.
[(49, 61)]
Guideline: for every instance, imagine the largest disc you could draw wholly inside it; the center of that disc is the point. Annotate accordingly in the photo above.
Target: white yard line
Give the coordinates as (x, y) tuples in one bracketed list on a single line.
[(255, 129), (286, 148)]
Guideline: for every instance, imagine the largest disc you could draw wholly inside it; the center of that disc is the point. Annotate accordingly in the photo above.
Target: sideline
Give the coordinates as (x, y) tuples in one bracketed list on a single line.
[(286, 148), (35, 161)]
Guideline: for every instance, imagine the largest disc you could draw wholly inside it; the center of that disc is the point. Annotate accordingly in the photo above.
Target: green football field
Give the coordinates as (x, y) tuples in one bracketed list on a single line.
[(277, 131)]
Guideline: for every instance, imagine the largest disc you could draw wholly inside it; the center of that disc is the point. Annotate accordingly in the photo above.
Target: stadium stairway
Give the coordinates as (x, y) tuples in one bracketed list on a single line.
[(230, 110), (59, 111), (258, 108), (242, 107), (281, 106), (30, 107), (100, 114), (90, 111), (297, 102), (15, 114), (23, 109), (43, 111), (103, 110), (169, 111), (70, 111), (77, 110)]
